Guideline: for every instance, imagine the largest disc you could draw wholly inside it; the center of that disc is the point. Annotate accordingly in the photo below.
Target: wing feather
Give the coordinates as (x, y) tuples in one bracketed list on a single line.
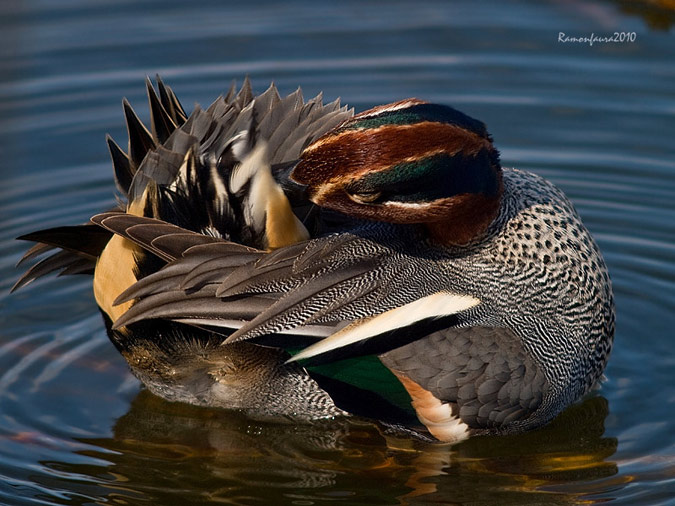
[(198, 306), (152, 234), (173, 275)]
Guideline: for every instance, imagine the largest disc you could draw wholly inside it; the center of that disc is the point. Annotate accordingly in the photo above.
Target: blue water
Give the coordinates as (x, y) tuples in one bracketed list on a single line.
[(77, 428)]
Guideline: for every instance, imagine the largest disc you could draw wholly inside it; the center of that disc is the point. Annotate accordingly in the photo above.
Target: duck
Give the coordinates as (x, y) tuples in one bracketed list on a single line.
[(294, 259)]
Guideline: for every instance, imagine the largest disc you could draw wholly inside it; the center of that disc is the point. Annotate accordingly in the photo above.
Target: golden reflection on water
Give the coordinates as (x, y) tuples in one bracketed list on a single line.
[(179, 454)]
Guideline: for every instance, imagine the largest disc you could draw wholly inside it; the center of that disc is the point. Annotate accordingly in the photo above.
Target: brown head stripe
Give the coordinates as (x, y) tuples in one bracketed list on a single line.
[(348, 154)]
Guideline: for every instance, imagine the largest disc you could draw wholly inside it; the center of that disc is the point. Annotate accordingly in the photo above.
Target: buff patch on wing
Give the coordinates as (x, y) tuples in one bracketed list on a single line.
[(115, 268), (266, 207)]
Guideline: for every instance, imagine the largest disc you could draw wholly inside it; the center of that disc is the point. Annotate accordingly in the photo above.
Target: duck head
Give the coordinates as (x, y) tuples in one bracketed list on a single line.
[(408, 162)]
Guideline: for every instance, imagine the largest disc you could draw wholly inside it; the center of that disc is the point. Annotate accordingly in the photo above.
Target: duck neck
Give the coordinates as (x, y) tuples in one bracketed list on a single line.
[(467, 217), (466, 225)]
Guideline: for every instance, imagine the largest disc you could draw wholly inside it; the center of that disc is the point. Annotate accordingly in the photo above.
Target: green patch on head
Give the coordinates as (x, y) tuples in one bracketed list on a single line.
[(418, 113), (431, 178), (402, 117)]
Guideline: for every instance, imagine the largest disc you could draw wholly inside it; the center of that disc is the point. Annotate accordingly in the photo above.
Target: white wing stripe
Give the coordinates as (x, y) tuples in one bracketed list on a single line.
[(433, 306)]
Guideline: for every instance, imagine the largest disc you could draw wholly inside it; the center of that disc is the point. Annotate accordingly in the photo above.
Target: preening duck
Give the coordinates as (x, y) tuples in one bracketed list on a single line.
[(290, 258)]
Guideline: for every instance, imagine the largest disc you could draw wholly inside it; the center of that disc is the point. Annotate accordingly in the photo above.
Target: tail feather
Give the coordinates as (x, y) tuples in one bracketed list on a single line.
[(79, 266), (85, 240), (78, 248), (65, 261), (34, 251)]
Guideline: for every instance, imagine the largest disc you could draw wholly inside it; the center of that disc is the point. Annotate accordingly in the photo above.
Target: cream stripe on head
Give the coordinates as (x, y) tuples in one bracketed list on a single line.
[(433, 306), (394, 106)]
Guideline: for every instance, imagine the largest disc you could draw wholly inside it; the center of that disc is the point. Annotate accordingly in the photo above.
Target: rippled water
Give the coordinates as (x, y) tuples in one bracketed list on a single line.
[(76, 428)]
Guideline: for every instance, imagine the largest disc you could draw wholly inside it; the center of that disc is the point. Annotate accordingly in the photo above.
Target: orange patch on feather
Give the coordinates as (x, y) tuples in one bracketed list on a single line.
[(435, 415)]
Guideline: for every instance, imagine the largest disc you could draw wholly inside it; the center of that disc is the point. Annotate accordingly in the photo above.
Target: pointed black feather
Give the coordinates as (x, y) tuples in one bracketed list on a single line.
[(124, 172), (161, 123), (88, 239), (35, 250), (171, 103), (140, 139), (79, 266), (55, 262)]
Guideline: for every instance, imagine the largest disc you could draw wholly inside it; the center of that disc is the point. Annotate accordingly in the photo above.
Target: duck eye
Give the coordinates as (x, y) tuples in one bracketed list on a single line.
[(365, 197)]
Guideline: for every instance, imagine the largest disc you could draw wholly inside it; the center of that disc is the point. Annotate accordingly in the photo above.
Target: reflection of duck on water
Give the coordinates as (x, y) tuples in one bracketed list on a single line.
[(478, 287), (165, 446)]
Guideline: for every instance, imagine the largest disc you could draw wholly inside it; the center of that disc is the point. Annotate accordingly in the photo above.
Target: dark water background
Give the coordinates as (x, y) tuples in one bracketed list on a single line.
[(76, 428)]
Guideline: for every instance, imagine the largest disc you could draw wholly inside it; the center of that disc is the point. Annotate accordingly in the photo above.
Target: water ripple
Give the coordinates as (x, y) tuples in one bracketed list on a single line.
[(596, 121)]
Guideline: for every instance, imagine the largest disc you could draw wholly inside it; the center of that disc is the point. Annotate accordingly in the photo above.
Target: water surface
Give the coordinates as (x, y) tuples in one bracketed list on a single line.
[(77, 428)]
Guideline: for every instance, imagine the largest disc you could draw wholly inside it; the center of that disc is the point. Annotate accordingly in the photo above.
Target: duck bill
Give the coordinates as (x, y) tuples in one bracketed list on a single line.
[(296, 192)]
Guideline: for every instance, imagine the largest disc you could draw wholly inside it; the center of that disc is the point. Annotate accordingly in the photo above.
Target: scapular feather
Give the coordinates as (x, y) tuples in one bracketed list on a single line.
[(161, 122), (140, 139), (170, 102), (122, 167)]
